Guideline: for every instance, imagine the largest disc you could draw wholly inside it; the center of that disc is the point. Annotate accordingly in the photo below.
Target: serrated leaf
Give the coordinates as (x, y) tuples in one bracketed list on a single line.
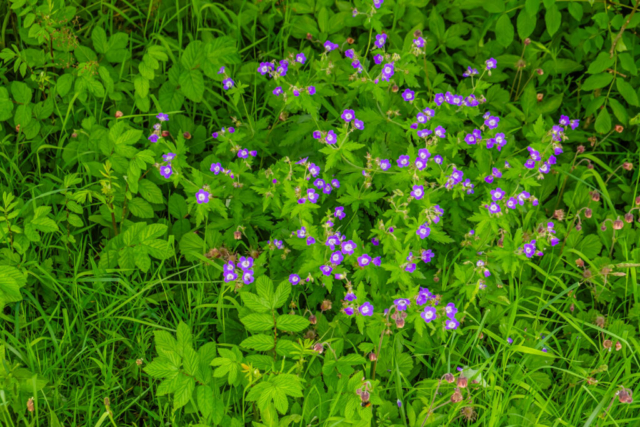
[(292, 323), (281, 295), (259, 342), (192, 85), (257, 322), (504, 30), (184, 391), (255, 302)]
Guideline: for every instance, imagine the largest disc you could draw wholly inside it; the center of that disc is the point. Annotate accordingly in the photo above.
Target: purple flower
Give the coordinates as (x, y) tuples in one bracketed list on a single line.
[(356, 64), (336, 258), (491, 63), (296, 92), (302, 232), (427, 255), (329, 46), (378, 59), (277, 91), (310, 241), (319, 183), (440, 132), (163, 117), (332, 241), (450, 310), (402, 303), (168, 157), (245, 263), (399, 403), (438, 159), (348, 311), (554, 241), (420, 164), (423, 231), (423, 133), (511, 203), (331, 137), (564, 120), (230, 276), (314, 170), (339, 213), (348, 247), (419, 42), (509, 340), (530, 164), (376, 261), (375, 241), (166, 171), (247, 277), (227, 84), (574, 123), (335, 183), (153, 138), (408, 95), (403, 161), (497, 194), (381, 39), (494, 208), (387, 71), (358, 124), (202, 197), (221, 70), (243, 154), (349, 53), (451, 324), (418, 192), (410, 268), (216, 168), (294, 279), (215, 134), (492, 122), (366, 309), (529, 249), (428, 314), (364, 260), (385, 164), (545, 168), (301, 58), (312, 195), (348, 115), (265, 67), (311, 90), (326, 270), (378, 3)]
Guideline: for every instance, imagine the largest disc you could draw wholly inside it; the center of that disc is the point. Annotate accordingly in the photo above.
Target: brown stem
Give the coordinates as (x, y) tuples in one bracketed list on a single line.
[(624, 27)]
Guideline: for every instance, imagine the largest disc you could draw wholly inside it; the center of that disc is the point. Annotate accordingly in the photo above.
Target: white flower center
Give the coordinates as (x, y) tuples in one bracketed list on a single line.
[(200, 196), (428, 314)]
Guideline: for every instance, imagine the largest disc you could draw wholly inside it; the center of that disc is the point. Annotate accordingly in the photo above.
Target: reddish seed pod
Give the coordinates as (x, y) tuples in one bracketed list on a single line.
[(456, 396), (540, 71), (607, 344), (579, 227), (603, 227), (580, 149), (527, 41)]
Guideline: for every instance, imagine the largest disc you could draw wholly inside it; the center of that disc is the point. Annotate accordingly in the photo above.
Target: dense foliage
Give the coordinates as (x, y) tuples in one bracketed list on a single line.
[(400, 212)]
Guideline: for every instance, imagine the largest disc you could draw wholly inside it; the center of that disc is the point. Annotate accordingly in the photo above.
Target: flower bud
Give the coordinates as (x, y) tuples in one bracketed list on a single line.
[(607, 344), (313, 319), (572, 307), (186, 135), (394, 88), (618, 346), (139, 362), (578, 226), (74, 135), (603, 227), (326, 305), (237, 235), (448, 377), (540, 71), (364, 396), (580, 263), (18, 128), (638, 200), (165, 133), (30, 405), (400, 323), (527, 41), (558, 214), (618, 224), (592, 381), (417, 33), (318, 347), (580, 149), (119, 114), (462, 382), (619, 128), (350, 40), (595, 196), (373, 357), (540, 97), (588, 212), (625, 396), (309, 36), (456, 396), (627, 166)]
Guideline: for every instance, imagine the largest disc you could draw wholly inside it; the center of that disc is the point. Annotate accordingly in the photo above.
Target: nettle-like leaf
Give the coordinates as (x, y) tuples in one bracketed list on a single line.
[(276, 389)]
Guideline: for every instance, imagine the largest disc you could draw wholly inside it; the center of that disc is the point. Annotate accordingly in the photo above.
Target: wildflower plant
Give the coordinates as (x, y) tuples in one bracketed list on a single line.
[(356, 208)]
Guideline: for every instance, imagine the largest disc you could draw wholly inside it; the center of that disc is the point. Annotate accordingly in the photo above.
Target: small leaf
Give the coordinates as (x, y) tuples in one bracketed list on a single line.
[(603, 121), (504, 30), (292, 323), (553, 19)]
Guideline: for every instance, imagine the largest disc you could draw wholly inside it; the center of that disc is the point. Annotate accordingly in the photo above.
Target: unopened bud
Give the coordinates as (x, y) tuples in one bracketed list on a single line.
[(588, 212), (74, 135), (580, 262), (30, 405), (592, 381), (462, 382), (448, 377), (572, 307), (540, 97), (319, 348), (619, 128), (373, 357), (603, 227), (237, 234), (394, 88), (139, 362), (350, 40), (119, 114), (618, 346), (186, 135), (540, 71), (618, 224), (638, 200), (625, 396), (627, 166), (313, 319), (165, 134), (580, 149), (578, 226), (595, 196), (417, 33), (309, 36), (400, 323), (527, 41), (607, 344)]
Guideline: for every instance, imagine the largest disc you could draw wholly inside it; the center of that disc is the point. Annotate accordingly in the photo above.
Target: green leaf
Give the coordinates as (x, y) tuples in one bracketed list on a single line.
[(185, 338), (161, 367), (165, 342), (526, 24), (259, 342), (129, 137), (150, 191), (255, 303), (258, 322), (142, 260), (597, 81), (45, 224), (11, 280), (140, 208), (21, 92), (603, 121), (177, 206), (159, 249), (190, 360), (494, 6), (532, 6), (205, 399), (184, 391), (192, 85), (601, 63), (627, 91), (281, 295), (292, 323), (99, 39), (504, 30), (6, 105), (264, 287), (553, 19)]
